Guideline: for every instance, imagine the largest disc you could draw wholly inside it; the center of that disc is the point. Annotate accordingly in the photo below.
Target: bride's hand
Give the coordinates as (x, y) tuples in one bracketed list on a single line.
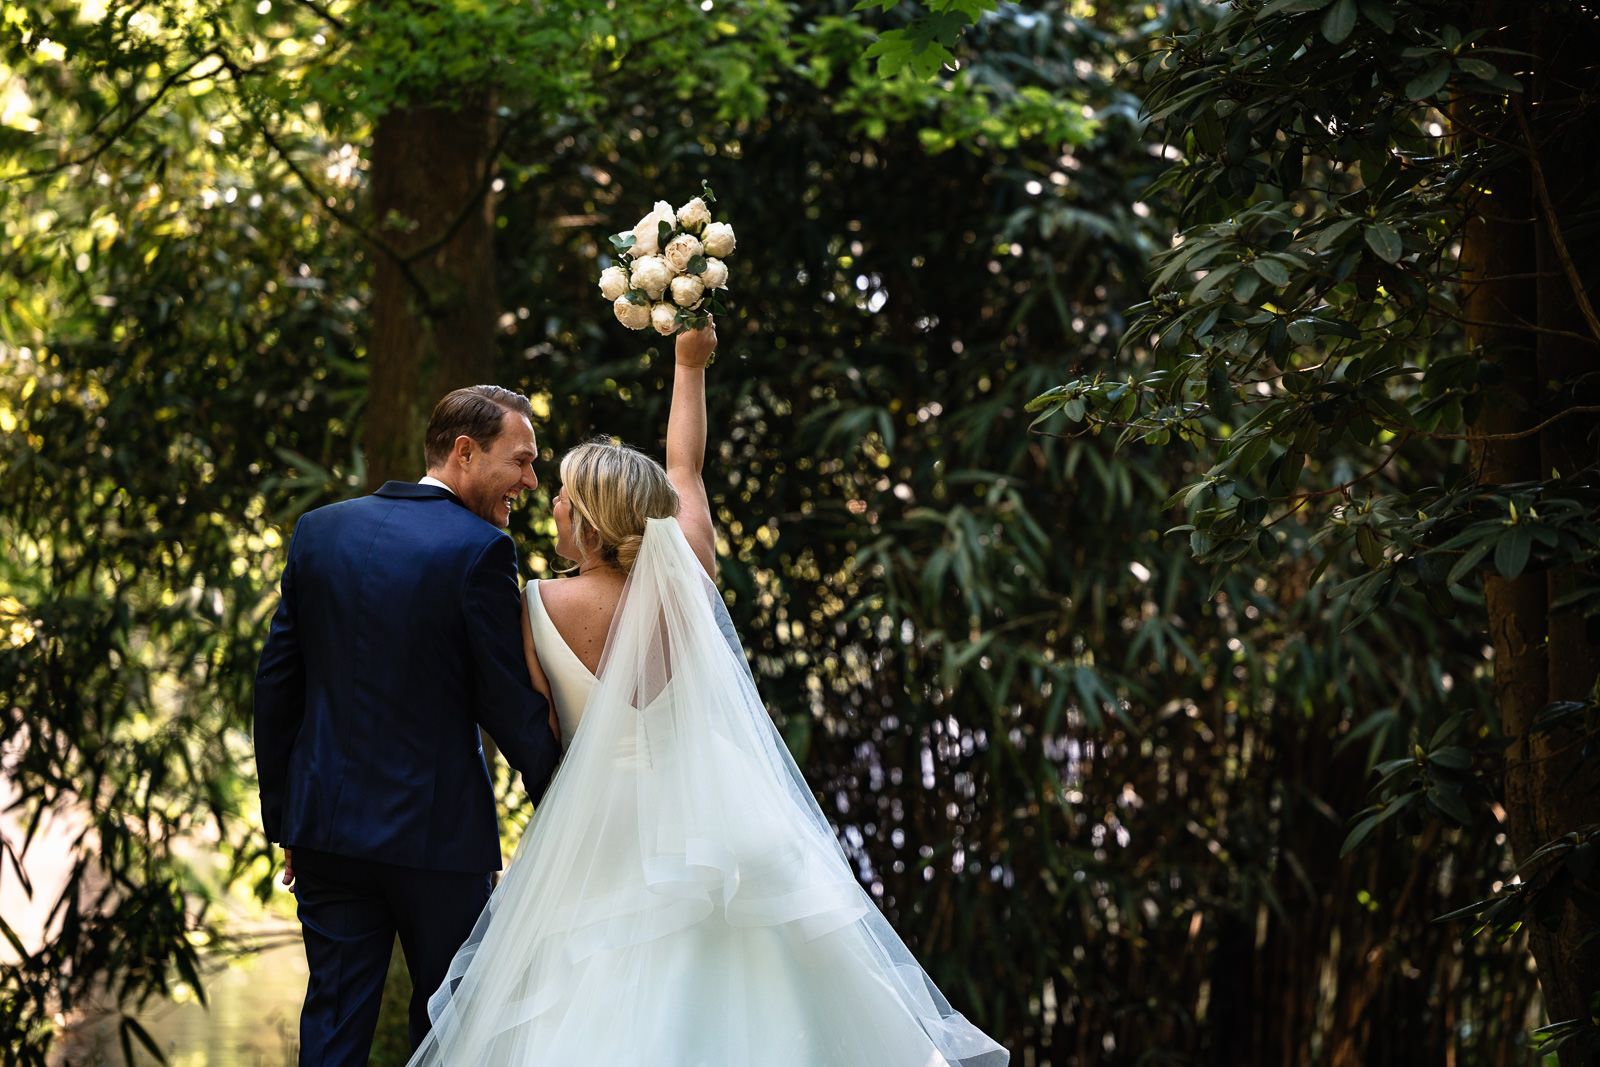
[(694, 347)]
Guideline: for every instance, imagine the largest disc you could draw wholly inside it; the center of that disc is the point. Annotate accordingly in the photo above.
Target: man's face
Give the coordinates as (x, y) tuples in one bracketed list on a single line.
[(493, 477)]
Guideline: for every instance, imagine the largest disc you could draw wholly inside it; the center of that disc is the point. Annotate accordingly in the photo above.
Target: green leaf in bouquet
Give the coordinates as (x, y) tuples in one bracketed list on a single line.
[(706, 194), (637, 296), (663, 232), (623, 241), (697, 265)]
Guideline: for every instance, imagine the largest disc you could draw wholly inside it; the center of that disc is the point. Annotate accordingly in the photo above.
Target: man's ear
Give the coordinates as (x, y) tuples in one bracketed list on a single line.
[(463, 449)]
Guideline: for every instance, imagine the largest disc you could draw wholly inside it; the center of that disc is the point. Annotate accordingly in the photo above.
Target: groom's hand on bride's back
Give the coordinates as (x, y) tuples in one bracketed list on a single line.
[(694, 347)]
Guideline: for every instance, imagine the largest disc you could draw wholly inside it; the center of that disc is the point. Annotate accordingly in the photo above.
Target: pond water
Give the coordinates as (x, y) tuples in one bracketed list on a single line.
[(251, 1021)]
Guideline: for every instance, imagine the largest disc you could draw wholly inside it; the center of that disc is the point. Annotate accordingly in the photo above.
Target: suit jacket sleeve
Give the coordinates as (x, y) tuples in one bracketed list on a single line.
[(280, 703), (516, 716)]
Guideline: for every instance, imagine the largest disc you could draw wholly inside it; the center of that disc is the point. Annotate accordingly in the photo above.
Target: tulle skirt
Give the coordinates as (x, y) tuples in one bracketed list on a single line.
[(679, 899)]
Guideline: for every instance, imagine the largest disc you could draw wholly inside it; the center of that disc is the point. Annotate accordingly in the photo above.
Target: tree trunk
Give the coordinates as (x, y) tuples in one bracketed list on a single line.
[(1517, 273), (1568, 955), (433, 291)]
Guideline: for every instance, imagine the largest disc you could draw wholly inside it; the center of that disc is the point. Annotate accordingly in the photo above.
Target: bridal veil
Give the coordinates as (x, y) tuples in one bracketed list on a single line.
[(679, 898)]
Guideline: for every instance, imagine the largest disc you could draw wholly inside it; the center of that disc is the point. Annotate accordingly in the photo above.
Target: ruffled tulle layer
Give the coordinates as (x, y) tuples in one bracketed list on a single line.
[(680, 899)]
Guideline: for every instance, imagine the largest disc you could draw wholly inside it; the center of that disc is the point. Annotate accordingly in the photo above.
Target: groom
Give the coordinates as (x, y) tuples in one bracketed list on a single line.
[(397, 636)]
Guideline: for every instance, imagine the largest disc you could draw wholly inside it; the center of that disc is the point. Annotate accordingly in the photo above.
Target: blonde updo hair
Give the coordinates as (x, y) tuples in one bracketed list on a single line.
[(612, 490)]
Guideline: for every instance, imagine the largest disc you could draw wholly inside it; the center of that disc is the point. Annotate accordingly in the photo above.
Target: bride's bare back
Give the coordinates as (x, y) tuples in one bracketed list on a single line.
[(581, 608)]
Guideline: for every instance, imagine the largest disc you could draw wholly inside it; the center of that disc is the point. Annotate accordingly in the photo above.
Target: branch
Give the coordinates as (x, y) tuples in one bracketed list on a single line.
[(1302, 499), (1489, 279), (138, 113), (323, 13), (403, 260), (1458, 124), (324, 202), (1553, 226), (1527, 327), (477, 196), (1579, 409)]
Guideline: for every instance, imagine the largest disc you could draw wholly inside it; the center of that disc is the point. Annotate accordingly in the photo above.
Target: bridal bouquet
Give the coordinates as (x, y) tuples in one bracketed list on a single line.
[(670, 272)]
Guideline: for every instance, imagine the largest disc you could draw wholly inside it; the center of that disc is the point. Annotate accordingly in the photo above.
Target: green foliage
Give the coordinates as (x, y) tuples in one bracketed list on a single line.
[(166, 340), (1318, 338), (391, 1045), (1443, 540), (1560, 874), (139, 538), (928, 42), (1432, 782), (555, 58), (1311, 307)]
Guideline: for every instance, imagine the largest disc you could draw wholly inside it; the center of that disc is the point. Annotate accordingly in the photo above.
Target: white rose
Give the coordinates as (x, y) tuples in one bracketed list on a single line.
[(687, 290), (633, 316), (648, 230), (680, 250), (718, 239), (653, 275), (694, 214), (664, 317), (716, 274), (614, 282)]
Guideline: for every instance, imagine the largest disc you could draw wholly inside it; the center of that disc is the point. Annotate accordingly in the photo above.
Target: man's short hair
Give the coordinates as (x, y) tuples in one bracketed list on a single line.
[(478, 412)]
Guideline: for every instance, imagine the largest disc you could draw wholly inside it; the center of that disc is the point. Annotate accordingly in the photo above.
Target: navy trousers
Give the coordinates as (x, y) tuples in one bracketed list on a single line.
[(350, 911)]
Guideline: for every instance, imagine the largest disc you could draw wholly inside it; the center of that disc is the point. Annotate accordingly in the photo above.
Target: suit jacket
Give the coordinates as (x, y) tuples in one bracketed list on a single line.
[(397, 635)]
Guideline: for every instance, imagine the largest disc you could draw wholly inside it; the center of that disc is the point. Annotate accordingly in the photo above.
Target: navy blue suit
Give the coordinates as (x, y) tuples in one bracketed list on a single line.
[(397, 636)]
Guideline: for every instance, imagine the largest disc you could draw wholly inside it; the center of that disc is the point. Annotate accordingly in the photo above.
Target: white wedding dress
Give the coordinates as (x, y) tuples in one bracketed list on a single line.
[(679, 899)]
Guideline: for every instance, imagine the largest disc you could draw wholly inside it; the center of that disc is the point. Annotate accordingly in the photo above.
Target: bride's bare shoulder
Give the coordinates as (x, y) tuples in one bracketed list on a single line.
[(580, 591), (581, 609)]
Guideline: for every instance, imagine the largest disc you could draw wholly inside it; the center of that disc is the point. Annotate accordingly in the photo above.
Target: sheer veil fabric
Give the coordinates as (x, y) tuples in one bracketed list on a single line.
[(680, 899)]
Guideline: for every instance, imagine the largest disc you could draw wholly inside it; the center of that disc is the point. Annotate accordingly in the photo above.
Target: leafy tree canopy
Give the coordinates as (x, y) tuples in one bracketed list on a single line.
[(1374, 327)]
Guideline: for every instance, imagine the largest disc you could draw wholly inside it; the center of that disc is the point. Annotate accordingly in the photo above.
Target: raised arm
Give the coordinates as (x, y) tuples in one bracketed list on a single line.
[(686, 442)]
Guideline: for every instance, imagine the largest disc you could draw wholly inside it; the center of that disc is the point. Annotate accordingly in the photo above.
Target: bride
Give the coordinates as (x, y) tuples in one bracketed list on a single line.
[(679, 898)]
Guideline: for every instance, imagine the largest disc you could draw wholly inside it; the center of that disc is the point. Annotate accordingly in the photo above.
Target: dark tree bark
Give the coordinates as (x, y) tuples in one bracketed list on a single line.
[(433, 294), (1521, 271), (1562, 800)]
